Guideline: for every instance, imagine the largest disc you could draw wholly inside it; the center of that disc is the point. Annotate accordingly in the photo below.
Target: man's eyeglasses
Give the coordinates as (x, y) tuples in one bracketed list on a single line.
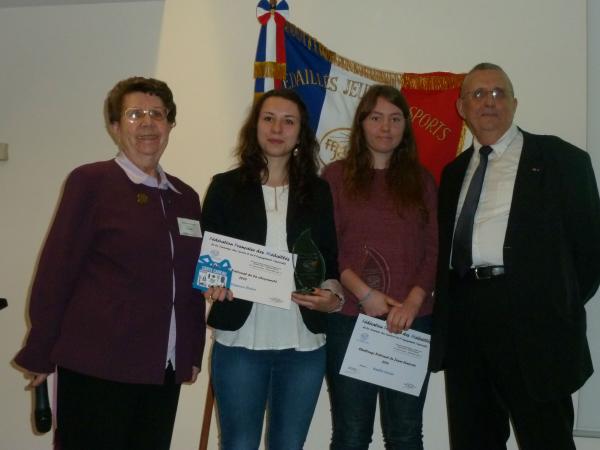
[(134, 115), (480, 94)]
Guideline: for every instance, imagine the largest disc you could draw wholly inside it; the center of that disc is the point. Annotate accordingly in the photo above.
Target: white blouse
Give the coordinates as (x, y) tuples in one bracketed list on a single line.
[(269, 327)]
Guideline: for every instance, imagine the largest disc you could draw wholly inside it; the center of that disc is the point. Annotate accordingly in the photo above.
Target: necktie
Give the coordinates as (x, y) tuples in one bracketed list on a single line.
[(462, 257)]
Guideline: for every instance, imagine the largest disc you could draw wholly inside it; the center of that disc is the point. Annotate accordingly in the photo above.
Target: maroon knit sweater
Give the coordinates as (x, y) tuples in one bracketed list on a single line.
[(373, 238)]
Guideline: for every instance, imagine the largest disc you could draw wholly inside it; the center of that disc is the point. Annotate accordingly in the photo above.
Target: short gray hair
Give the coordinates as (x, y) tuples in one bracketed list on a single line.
[(488, 66)]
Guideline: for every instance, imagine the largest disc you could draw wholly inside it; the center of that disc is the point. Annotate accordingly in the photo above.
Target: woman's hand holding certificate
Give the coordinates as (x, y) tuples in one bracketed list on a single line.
[(254, 272)]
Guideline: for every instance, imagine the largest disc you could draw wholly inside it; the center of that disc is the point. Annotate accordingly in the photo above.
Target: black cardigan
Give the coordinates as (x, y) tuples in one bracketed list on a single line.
[(235, 208)]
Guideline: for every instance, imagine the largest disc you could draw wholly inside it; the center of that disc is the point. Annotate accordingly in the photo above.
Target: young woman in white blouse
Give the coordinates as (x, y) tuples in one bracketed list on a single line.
[(264, 357)]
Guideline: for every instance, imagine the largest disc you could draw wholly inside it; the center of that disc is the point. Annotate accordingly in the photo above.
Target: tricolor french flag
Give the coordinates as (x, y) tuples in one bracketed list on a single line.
[(332, 86), (270, 52)]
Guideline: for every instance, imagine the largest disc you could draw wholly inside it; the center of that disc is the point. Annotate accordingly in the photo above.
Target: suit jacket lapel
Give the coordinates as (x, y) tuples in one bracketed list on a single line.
[(454, 181), (294, 220), (251, 201), (449, 192), (527, 188)]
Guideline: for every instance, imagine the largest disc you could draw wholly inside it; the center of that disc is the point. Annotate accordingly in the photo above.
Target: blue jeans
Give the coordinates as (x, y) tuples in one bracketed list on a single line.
[(353, 402), (246, 382)]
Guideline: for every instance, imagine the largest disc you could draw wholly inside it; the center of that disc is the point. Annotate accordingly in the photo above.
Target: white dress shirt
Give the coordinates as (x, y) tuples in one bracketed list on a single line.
[(491, 217)]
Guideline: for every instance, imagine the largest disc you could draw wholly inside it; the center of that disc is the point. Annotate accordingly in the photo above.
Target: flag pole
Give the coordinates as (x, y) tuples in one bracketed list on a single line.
[(210, 399), (206, 419)]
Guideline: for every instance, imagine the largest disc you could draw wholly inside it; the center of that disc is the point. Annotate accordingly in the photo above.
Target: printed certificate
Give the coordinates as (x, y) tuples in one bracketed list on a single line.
[(253, 272), (395, 361)]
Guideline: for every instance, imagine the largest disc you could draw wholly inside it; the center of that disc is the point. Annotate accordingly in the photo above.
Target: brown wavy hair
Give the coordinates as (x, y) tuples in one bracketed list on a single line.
[(302, 166), (404, 176)]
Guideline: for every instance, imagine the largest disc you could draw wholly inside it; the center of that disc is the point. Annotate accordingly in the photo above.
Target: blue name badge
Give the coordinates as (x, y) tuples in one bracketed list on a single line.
[(211, 273)]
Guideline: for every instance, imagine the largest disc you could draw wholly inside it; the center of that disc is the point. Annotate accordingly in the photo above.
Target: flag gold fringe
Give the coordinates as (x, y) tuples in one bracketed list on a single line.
[(461, 141), (381, 76), (438, 81), (270, 69), (430, 82)]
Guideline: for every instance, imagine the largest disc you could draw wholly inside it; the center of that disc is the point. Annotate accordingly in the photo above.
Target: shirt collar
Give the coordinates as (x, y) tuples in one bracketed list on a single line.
[(138, 176), (502, 144)]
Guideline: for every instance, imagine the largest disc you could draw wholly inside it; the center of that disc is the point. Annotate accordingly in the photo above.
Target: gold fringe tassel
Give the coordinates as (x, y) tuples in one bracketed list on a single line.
[(461, 141), (437, 81), (381, 76), (430, 82), (270, 69)]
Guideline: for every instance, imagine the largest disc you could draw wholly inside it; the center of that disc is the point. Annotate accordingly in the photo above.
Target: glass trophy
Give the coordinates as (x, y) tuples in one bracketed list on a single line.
[(375, 271), (309, 268)]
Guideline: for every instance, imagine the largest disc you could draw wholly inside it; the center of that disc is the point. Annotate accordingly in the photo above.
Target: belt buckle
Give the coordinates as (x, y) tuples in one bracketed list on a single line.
[(482, 275)]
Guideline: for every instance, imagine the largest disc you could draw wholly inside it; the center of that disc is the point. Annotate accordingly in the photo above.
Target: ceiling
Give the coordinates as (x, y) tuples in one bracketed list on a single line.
[(16, 3)]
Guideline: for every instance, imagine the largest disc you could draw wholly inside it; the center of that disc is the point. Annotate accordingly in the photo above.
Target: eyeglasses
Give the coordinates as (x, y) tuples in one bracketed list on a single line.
[(480, 94), (134, 115)]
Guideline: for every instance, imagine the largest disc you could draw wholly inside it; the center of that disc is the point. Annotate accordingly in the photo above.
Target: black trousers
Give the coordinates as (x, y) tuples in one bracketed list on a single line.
[(97, 414), (484, 382)]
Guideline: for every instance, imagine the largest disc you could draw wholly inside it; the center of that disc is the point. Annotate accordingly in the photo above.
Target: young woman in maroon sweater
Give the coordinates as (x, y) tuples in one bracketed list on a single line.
[(385, 214)]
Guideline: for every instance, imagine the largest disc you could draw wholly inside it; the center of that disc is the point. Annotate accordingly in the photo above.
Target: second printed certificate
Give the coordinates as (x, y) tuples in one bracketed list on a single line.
[(253, 272)]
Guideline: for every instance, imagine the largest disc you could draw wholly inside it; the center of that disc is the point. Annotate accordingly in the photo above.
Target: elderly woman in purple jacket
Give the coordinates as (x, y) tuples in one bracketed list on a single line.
[(112, 306)]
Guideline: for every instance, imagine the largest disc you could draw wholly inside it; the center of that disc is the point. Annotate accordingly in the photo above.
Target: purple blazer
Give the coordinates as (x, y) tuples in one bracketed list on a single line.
[(102, 296)]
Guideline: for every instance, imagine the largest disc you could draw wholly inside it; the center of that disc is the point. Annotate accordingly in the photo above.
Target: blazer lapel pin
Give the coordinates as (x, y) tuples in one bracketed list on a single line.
[(141, 198)]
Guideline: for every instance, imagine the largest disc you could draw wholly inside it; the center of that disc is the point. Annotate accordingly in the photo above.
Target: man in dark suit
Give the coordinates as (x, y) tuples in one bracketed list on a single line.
[(519, 256)]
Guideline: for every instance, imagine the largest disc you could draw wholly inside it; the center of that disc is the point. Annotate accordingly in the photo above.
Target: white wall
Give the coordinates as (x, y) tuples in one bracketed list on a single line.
[(58, 63), (56, 66), (588, 414)]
